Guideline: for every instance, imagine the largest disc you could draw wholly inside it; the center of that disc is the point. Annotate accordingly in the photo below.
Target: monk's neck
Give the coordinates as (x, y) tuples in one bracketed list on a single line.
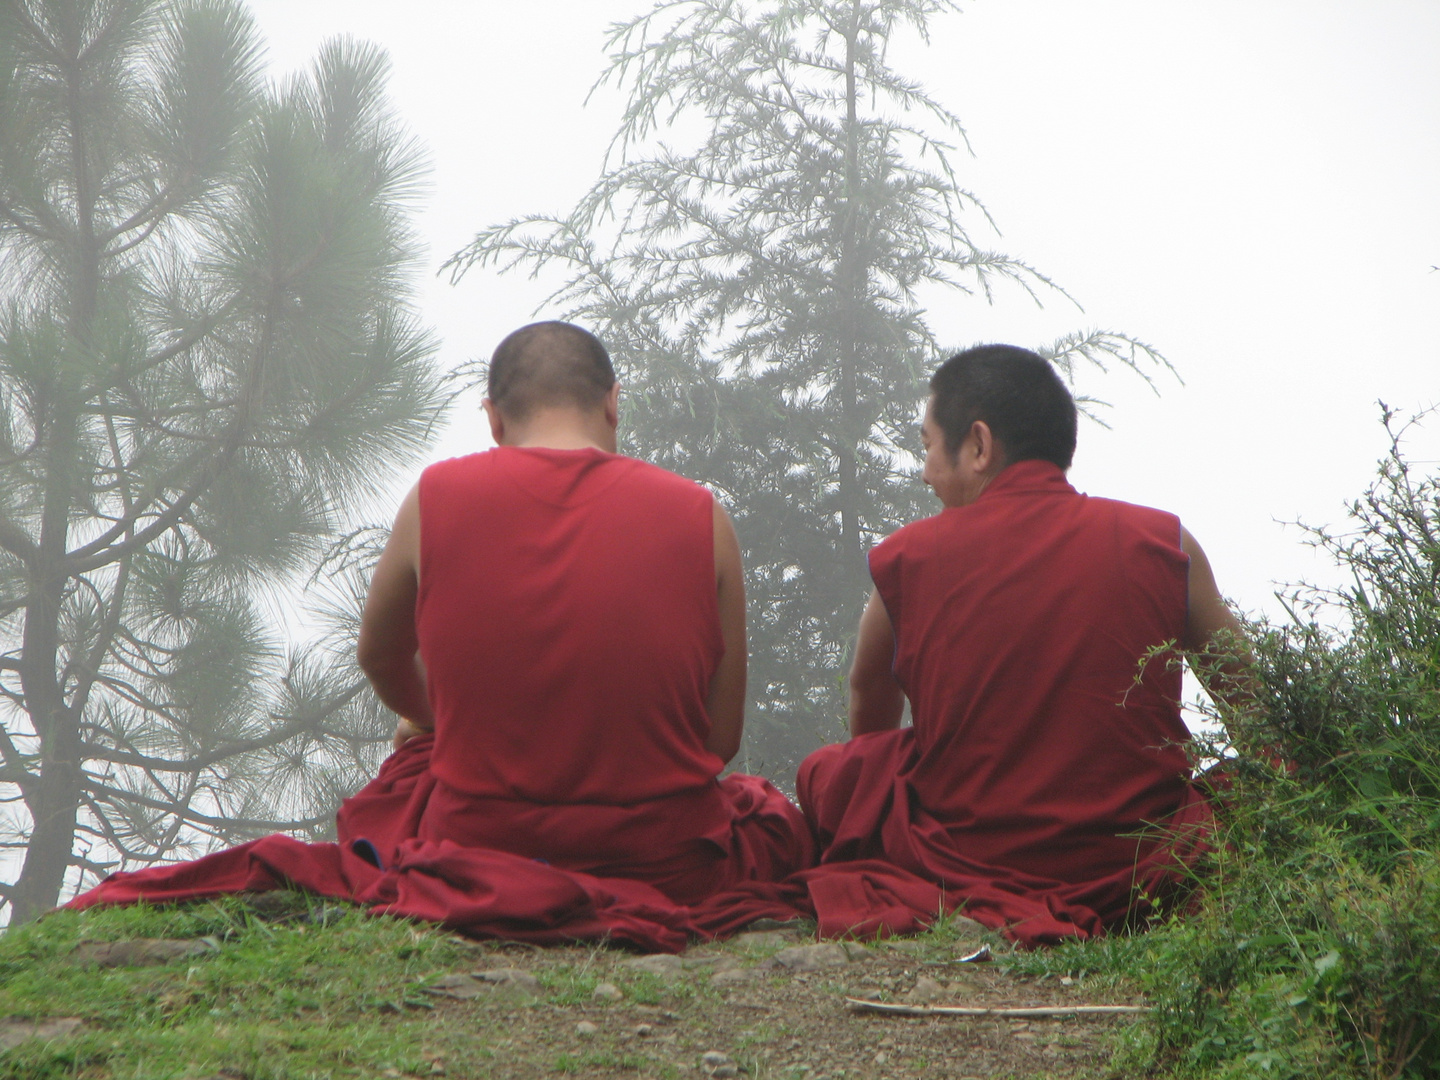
[(561, 430)]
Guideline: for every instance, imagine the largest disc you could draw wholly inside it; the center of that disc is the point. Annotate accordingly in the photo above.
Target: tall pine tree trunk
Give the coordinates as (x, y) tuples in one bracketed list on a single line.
[(851, 290), (54, 799)]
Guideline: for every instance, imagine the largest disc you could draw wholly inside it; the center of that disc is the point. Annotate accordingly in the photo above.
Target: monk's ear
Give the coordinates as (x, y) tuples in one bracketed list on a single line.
[(612, 405), (497, 421), (986, 451)]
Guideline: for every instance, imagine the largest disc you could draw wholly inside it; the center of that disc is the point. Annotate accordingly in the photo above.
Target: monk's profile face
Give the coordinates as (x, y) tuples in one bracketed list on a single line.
[(942, 465), (958, 476)]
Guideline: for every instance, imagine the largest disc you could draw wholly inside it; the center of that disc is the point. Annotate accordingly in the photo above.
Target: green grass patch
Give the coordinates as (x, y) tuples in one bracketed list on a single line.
[(330, 991)]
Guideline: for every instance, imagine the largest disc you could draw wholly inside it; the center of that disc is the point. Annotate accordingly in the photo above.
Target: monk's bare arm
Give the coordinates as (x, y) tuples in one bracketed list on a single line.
[(1214, 634), (726, 702), (877, 701), (389, 648)]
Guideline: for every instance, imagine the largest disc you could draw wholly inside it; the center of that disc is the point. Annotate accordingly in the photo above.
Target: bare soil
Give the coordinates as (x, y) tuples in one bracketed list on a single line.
[(737, 1001)]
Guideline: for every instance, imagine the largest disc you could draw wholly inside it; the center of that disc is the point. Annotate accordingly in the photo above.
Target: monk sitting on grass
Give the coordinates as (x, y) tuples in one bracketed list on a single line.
[(563, 629), (570, 624), (1046, 774)]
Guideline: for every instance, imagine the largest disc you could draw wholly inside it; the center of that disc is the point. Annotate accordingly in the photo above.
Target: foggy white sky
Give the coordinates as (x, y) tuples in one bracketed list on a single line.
[(1247, 184)]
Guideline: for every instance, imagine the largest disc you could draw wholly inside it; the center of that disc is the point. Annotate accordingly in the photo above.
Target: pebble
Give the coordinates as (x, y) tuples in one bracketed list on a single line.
[(881, 1058), (459, 987), (967, 928), (585, 1029), (764, 939), (14, 1029), (926, 990), (812, 957), (644, 1031), (662, 964), (141, 952), (607, 992), (734, 976), (515, 979), (714, 1063)]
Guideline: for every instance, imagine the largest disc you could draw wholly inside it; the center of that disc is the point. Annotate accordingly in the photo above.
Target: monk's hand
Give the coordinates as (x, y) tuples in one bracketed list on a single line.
[(407, 730)]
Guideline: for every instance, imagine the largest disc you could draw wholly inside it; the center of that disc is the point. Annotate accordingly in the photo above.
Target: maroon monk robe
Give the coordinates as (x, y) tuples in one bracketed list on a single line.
[(1043, 746), (568, 625)]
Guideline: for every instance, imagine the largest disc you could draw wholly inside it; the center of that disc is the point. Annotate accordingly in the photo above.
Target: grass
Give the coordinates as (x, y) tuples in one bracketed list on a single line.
[(1313, 952), (307, 996), (306, 988)]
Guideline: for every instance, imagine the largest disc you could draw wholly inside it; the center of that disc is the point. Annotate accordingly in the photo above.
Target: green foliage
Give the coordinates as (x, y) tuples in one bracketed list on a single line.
[(298, 995), (207, 358), (758, 287), (1316, 952)]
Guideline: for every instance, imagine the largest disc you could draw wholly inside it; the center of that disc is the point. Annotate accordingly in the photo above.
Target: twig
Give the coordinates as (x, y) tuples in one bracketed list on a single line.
[(863, 1005)]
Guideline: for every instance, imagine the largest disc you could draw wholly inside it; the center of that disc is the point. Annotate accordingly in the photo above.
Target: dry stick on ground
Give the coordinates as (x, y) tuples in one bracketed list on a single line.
[(860, 1004)]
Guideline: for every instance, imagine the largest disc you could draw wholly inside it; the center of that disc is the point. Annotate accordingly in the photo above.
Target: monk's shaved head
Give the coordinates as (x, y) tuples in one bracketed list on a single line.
[(548, 365)]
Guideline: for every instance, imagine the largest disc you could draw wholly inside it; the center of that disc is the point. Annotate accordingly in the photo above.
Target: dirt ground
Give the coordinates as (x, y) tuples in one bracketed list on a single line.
[(750, 1008)]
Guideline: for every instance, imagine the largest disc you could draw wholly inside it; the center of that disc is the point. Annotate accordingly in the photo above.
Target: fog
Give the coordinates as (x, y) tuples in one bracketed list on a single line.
[(1247, 188)]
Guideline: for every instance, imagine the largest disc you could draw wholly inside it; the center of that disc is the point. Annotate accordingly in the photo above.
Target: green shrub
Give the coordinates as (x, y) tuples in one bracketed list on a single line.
[(1316, 948)]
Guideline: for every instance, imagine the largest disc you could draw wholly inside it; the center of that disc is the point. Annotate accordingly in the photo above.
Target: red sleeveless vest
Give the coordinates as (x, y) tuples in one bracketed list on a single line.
[(1021, 625), (568, 625)]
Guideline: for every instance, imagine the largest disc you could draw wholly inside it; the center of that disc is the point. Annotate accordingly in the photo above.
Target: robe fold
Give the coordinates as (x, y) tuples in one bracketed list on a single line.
[(381, 862)]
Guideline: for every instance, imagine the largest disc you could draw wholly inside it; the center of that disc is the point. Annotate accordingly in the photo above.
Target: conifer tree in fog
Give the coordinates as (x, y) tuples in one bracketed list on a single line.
[(206, 359), (757, 285)]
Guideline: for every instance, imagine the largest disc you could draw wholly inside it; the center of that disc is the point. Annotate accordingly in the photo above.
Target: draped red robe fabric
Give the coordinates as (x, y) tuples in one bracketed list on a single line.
[(379, 861), (1044, 785)]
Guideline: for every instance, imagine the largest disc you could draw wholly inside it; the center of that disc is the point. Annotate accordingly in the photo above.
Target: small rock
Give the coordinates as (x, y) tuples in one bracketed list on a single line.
[(764, 939), (795, 926), (855, 952), (967, 929), (644, 1031), (812, 957), (459, 987), (585, 1029), (15, 1030), (881, 1058), (909, 945), (714, 1063), (734, 976), (926, 990), (607, 992), (1066, 980), (142, 952), (513, 979), (662, 964)]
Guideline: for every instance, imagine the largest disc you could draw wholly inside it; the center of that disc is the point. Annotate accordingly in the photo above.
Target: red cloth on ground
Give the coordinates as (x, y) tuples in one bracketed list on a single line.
[(482, 891), (1041, 748)]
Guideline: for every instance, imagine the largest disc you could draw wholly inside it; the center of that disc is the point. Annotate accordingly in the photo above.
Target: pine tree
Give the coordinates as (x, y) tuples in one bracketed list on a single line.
[(759, 291), (207, 358)]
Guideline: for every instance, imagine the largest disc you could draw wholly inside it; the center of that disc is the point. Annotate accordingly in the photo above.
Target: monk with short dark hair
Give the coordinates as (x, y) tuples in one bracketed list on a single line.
[(1045, 784)]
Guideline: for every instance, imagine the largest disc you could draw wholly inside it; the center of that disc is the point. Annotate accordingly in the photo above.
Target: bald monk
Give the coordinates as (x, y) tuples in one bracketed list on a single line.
[(1045, 785), (563, 631), (569, 624)]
